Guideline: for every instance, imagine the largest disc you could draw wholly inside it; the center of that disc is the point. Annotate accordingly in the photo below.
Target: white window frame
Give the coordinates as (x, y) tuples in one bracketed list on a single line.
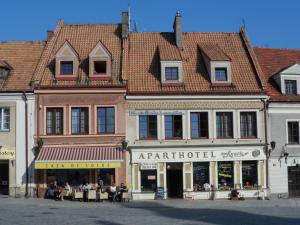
[(2, 118), (164, 64), (258, 134), (138, 126), (189, 132), (287, 131), (233, 124)]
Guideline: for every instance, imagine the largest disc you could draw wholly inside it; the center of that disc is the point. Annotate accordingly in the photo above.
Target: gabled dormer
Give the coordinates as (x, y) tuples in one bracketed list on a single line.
[(217, 63), (100, 62), (288, 79), (5, 70), (66, 63)]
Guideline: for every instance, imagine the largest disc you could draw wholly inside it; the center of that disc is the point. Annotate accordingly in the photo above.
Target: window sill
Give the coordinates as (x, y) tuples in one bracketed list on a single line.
[(293, 145), (199, 138), (174, 139), (147, 139), (4, 130), (100, 77)]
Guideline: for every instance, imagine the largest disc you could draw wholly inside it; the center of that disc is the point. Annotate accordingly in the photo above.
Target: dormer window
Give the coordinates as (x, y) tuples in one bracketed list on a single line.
[(290, 87), (67, 63), (221, 74), (5, 69), (171, 73), (100, 62)]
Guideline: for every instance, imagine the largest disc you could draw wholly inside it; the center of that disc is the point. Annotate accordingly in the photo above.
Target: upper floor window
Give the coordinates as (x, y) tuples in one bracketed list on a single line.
[(173, 126), (224, 124), (290, 87), (199, 125), (148, 126), (4, 119), (293, 132), (100, 67), (171, 73), (66, 68), (54, 121), (106, 120), (80, 120), (221, 74), (248, 125)]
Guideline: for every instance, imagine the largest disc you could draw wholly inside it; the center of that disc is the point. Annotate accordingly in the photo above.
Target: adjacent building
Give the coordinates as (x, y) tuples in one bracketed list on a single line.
[(281, 68), (195, 117), (18, 61), (80, 106)]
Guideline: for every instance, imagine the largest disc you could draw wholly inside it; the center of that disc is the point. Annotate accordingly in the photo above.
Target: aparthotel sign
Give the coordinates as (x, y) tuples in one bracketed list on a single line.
[(195, 155)]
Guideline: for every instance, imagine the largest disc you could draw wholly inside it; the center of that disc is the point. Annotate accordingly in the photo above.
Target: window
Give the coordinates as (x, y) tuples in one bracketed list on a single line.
[(148, 126), (80, 120), (107, 176), (148, 180), (225, 175), (106, 120), (221, 74), (171, 73), (4, 119), (249, 174), (173, 126), (100, 67), (201, 175), (4, 72), (54, 121), (224, 125), (293, 132), (248, 125), (66, 68), (199, 125), (290, 87)]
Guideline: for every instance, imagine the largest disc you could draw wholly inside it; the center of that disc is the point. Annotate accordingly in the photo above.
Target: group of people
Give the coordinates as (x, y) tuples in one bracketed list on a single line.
[(57, 192)]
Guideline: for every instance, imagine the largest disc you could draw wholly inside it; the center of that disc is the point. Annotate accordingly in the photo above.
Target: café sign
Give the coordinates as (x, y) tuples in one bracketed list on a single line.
[(195, 155), (76, 165), (7, 154)]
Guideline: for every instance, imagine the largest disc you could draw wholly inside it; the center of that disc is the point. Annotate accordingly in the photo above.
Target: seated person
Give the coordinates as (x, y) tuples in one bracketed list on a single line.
[(113, 191), (206, 186), (50, 190)]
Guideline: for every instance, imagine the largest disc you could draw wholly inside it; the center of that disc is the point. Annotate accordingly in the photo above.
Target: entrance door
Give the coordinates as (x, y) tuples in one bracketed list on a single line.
[(294, 181), (174, 180), (4, 177)]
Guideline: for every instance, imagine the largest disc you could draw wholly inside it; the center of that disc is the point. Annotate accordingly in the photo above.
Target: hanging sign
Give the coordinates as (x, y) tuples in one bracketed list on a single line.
[(148, 166)]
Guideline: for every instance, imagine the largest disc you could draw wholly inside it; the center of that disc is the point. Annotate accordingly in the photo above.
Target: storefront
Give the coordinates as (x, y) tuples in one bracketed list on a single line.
[(189, 173), (79, 165), (7, 170)]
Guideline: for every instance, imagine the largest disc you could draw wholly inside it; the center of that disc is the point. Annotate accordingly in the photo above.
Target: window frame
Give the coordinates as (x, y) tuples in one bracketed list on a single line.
[(171, 68), (287, 131), (106, 118), (256, 124), (88, 120), (233, 124), (285, 86), (173, 129), (2, 119), (148, 128), (94, 73), (61, 62), (54, 121), (226, 74), (199, 124)]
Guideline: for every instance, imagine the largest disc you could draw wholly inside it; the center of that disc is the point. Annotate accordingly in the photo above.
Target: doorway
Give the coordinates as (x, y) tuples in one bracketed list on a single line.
[(4, 182), (294, 181), (174, 180)]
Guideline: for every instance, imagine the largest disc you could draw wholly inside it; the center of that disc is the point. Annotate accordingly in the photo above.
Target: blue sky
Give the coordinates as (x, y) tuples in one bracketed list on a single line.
[(268, 23)]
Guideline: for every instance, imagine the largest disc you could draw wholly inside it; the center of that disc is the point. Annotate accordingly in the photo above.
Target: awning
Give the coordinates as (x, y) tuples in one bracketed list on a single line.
[(86, 157)]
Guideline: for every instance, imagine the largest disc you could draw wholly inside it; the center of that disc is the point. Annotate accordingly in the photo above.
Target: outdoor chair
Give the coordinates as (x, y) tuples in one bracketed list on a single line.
[(126, 197), (91, 195), (103, 196), (77, 195)]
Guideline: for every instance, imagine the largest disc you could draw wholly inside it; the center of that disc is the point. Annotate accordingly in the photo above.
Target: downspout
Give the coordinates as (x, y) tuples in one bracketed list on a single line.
[(24, 97), (266, 142)]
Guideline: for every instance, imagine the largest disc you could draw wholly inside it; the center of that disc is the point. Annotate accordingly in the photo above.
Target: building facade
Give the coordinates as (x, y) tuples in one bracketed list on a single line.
[(80, 101), (195, 118), (282, 74), (18, 61)]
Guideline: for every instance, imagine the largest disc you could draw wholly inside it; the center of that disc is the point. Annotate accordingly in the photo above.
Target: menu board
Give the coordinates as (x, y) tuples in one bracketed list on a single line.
[(160, 193)]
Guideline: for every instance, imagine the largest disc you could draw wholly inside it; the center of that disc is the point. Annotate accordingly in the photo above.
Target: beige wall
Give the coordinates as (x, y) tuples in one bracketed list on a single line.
[(8, 138)]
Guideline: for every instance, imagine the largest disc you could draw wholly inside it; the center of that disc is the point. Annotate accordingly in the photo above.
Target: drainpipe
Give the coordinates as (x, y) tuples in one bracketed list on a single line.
[(266, 142), (24, 97)]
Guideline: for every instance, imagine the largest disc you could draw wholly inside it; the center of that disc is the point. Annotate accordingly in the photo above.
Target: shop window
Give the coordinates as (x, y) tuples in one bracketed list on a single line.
[(249, 174), (4, 119), (201, 176), (107, 176), (54, 121), (293, 132), (248, 125), (66, 68), (148, 126), (106, 120), (80, 120), (290, 87), (225, 175), (148, 180), (199, 125), (73, 177), (224, 124), (173, 126)]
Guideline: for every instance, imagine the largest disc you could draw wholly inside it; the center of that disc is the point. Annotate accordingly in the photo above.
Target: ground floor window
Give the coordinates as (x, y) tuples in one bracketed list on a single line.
[(249, 174), (73, 177), (107, 176), (225, 175), (201, 176), (148, 180)]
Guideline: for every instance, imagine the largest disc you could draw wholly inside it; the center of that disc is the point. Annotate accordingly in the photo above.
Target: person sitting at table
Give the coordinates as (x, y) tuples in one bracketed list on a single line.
[(113, 192), (99, 186), (50, 190), (120, 191), (66, 191)]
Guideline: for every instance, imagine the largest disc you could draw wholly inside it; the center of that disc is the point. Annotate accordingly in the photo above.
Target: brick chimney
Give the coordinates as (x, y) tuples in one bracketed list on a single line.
[(125, 24), (177, 26)]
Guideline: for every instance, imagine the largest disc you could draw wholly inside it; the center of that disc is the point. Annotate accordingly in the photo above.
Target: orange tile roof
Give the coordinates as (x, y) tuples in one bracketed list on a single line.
[(273, 60), (143, 65), (83, 38), (213, 52), (22, 57)]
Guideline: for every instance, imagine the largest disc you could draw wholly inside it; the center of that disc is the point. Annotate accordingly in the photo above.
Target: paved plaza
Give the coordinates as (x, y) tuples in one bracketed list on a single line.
[(187, 212)]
